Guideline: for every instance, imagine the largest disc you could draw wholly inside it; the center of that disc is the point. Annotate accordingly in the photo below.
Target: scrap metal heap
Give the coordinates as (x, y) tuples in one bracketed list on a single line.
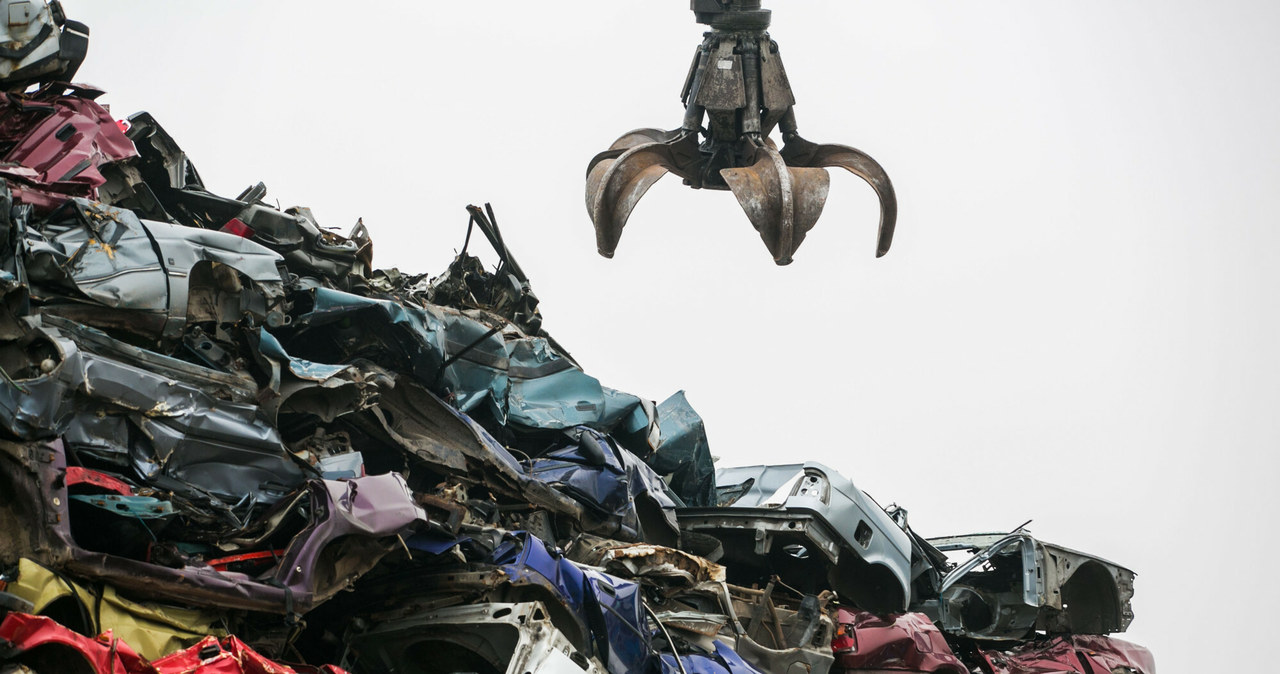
[(231, 442)]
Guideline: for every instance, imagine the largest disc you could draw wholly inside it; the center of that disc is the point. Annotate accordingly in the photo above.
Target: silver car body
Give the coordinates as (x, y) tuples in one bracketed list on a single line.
[(809, 520), (1014, 584)]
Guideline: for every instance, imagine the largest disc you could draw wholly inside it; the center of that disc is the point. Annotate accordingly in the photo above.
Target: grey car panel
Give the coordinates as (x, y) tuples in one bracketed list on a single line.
[(808, 521)]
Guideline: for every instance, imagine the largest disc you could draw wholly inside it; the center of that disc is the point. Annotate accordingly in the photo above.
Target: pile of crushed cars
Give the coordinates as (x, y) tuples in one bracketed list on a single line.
[(231, 443)]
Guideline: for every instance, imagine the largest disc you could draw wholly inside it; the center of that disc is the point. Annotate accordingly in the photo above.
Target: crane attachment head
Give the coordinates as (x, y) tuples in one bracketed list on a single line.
[(735, 96)]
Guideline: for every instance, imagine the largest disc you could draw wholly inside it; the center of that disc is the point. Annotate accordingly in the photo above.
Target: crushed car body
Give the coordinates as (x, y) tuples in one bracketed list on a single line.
[(37, 643), (230, 443), (911, 642), (808, 523), (1015, 584)]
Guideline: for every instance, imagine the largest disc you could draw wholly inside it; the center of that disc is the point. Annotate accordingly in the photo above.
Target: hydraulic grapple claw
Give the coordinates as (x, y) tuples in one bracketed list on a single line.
[(736, 94)]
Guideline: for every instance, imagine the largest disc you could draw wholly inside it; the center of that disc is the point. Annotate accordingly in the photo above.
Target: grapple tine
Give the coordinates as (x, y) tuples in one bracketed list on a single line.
[(800, 152), (616, 183), (783, 203), (636, 137), (625, 142)]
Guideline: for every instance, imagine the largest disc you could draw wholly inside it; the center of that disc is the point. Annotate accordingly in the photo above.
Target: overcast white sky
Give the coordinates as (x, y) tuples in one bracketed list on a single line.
[(1076, 324)]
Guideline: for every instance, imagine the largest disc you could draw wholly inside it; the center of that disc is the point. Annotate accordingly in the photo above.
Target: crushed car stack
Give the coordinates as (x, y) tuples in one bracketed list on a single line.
[(231, 442)]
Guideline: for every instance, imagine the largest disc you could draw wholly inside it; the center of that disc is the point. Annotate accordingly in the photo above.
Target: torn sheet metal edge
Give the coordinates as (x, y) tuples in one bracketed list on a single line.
[(540, 648), (111, 654), (52, 546), (154, 630), (453, 443), (642, 560), (1067, 654), (364, 516), (908, 642), (610, 607), (722, 660), (844, 520), (806, 657), (630, 500), (144, 268), (237, 388), (1047, 569)]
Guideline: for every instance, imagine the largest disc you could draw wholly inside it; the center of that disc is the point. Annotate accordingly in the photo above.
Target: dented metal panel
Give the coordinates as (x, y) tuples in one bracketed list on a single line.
[(1078, 654), (143, 272), (356, 522), (811, 526), (612, 609), (684, 453), (1014, 584), (628, 498), (497, 637), (42, 643), (154, 630), (908, 643)]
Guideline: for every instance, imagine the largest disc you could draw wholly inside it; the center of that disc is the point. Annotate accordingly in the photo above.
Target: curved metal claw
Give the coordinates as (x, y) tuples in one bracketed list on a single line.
[(800, 152), (783, 203), (636, 137), (614, 185), (620, 176)]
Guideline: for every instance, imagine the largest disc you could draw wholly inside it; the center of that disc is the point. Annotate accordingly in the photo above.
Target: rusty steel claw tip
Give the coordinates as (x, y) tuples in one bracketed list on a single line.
[(783, 203), (615, 185)]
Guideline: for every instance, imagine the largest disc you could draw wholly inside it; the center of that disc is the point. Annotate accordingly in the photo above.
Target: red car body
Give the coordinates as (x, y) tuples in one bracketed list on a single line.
[(910, 642), (52, 647)]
